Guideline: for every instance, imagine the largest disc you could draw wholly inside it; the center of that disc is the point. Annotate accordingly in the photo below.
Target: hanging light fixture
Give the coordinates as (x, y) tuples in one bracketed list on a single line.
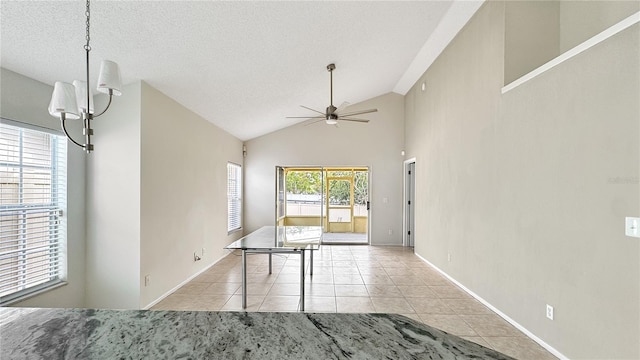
[(75, 101)]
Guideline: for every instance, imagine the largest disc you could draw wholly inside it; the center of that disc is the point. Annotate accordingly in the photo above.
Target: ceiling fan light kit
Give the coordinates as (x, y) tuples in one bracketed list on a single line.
[(332, 114)]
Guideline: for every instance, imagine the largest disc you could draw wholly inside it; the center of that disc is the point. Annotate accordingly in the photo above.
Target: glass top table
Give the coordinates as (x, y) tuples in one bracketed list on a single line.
[(277, 240)]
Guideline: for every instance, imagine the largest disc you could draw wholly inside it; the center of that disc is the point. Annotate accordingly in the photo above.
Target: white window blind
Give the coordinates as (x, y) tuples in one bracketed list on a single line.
[(234, 197), (32, 197)]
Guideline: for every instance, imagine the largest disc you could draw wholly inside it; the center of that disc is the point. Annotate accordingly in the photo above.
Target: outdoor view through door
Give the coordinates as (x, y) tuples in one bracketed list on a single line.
[(336, 198)]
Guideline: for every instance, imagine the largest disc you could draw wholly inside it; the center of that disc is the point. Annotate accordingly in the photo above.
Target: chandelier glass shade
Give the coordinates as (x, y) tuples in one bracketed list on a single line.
[(81, 96), (109, 81), (63, 101)]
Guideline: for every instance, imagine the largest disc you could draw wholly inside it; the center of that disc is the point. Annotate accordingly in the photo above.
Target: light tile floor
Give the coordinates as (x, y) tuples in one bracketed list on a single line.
[(354, 279)]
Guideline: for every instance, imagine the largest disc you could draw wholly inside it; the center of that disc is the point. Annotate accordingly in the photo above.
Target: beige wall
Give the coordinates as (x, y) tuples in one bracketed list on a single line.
[(532, 36), (156, 192), (538, 31), (523, 189), (113, 204), (377, 145), (183, 193), (580, 20), (26, 100), (157, 185)]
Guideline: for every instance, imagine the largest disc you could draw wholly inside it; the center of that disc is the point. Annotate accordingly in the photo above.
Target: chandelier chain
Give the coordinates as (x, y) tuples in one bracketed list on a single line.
[(88, 37)]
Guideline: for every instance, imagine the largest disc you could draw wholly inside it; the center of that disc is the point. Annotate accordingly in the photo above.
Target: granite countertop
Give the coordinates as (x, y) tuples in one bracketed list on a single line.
[(141, 334)]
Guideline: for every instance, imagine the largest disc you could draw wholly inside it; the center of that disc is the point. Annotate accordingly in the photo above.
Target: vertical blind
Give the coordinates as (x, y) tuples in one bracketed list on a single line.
[(32, 197), (234, 197)]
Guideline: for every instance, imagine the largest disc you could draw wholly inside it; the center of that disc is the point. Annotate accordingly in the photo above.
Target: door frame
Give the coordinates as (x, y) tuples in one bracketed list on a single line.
[(329, 207), (405, 199), (323, 204)]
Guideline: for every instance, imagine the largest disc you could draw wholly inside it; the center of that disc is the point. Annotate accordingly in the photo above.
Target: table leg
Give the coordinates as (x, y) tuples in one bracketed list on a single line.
[(270, 264), (311, 263), (244, 279), (302, 280)]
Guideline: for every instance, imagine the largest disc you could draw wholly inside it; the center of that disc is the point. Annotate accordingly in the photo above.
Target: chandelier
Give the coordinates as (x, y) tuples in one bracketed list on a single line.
[(75, 101)]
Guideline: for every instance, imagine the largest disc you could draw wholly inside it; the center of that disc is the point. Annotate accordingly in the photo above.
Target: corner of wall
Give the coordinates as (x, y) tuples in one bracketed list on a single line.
[(183, 198), (113, 205)]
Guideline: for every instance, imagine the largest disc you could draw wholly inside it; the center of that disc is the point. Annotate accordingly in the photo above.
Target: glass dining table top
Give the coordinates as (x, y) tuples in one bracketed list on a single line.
[(280, 237)]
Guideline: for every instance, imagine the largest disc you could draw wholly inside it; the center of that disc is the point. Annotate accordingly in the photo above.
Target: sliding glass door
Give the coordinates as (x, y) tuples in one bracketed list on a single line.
[(337, 198)]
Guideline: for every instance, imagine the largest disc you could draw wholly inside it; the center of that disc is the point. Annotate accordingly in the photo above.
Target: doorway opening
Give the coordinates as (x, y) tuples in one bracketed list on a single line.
[(409, 197), (337, 198)]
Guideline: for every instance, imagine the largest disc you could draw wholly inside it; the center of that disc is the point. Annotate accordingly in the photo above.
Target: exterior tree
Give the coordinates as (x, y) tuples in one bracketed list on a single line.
[(310, 182), (360, 187), (304, 182)]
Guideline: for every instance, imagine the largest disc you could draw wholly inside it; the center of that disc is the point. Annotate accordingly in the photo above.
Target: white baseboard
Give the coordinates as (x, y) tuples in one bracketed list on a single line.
[(183, 283), (500, 313)]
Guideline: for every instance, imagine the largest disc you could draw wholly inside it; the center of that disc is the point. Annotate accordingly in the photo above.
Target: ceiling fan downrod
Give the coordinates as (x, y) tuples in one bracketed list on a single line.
[(331, 115), (331, 108)]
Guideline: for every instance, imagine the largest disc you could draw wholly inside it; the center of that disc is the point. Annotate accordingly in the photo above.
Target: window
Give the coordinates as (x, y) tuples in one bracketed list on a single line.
[(234, 197), (32, 198)]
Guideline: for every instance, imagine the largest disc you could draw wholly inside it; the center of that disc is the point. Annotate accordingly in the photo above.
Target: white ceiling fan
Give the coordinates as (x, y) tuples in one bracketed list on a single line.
[(333, 114)]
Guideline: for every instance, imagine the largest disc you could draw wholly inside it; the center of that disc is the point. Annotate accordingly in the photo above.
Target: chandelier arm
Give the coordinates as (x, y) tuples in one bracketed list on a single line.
[(108, 104), (64, 128)]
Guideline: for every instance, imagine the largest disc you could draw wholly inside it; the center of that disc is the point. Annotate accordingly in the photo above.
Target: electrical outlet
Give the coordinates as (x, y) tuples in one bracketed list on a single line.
[(449, 257), (196, 257), (631, 225), (390, 231), (549, 312), (204, 251), (147, 280)]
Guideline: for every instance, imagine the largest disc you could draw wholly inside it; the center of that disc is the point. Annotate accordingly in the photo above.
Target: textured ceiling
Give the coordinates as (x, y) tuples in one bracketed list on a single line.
[(244, 66)]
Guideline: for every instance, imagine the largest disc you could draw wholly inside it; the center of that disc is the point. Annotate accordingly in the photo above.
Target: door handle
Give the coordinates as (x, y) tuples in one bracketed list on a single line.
[(368, 205)]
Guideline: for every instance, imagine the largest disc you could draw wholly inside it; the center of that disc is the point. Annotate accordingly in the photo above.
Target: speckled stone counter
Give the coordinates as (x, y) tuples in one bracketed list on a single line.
[(130, 334)]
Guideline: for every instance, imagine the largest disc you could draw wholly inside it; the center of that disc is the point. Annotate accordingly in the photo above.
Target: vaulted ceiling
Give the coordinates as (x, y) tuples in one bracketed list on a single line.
[(241, 65)]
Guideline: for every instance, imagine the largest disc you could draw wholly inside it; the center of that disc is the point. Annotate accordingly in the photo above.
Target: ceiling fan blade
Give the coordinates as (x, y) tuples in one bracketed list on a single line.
[(305, 117), (353, 119), (313, 122), (343, 106), (308, 108), (360, 112)]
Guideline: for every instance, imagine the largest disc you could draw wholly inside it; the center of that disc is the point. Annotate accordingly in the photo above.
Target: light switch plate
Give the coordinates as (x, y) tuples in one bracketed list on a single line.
[(631, 226)]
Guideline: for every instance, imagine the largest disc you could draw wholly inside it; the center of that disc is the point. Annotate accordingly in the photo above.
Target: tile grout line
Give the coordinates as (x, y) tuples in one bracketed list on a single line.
[(443, 297)]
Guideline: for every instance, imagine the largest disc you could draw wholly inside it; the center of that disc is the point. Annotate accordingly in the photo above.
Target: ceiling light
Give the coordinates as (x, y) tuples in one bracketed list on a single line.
[(75, 101), (331, 117)]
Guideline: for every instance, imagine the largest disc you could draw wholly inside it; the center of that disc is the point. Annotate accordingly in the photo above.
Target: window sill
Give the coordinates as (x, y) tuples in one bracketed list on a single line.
[(37, 290)]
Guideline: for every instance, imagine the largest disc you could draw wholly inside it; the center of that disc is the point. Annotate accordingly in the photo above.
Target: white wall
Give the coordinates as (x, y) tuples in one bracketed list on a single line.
[(377, 145), (183, 193), (113, 204), (528, 190), (26, 100)]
